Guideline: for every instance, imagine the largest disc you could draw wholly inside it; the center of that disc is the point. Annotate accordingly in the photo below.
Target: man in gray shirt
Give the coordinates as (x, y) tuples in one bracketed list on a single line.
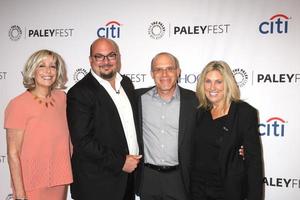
[(167, 121)]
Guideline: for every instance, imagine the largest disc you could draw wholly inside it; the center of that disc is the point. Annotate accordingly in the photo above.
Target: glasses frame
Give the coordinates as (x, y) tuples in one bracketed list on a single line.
[(112, 56), (169, 69)]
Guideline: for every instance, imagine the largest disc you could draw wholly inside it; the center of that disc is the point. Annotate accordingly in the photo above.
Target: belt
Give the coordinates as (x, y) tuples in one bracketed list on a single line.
[(162, 168)]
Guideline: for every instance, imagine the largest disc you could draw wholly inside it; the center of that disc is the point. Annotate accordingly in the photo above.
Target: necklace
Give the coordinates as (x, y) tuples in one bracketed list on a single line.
[(48, 101)]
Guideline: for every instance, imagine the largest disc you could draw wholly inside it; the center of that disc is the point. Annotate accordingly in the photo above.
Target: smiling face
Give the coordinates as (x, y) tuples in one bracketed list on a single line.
[(214, 87), (165, 74), (45, 73), (104, 59)]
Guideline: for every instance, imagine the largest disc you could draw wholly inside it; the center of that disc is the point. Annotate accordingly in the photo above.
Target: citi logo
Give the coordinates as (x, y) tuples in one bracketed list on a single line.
[(277, 24), (274, 126), (111, 30)]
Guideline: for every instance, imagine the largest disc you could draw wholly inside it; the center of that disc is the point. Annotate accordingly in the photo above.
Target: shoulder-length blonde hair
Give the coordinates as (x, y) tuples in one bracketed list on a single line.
[(35, 60), (231, 89)]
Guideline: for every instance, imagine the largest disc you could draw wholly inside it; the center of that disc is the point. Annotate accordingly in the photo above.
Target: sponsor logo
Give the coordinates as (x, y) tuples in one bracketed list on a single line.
[(276, 24), (110, 30), (156, 30), (240, 76), (3, 75), (201, 29), (281, 182), (278, 78), (15, 33), (79, 74), (40, 33), (188, 78), (9, 197), (137, 78), (274, 126)]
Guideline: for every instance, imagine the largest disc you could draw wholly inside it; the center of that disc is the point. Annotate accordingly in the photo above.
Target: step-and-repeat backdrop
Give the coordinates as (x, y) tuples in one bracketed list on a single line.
[(258, 38)]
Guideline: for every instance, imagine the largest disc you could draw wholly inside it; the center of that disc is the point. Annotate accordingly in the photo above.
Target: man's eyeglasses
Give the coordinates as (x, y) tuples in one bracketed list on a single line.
[(161, 70), (110, 57)]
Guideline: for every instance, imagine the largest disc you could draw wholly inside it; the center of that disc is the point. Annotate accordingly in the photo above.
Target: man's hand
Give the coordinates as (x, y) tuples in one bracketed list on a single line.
[(131, 163)]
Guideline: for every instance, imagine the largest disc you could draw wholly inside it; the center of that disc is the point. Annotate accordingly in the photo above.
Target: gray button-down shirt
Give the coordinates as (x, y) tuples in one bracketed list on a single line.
[(160, 128)]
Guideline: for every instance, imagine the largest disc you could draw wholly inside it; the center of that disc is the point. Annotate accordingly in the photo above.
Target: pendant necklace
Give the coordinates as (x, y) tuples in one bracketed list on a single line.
[(48, 101)]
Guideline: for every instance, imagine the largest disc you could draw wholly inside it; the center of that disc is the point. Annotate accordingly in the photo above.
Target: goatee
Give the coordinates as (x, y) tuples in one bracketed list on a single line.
[(107, 76)]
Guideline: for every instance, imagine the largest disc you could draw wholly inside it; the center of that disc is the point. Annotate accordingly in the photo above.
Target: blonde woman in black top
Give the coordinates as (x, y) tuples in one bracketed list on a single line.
[(224, 124)]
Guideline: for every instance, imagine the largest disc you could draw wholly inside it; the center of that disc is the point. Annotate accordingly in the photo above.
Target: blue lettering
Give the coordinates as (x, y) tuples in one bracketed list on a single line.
[(274, 129), (113, 32), (278, 26), (261, 28), (99, 34), (278, 22), (285, 26), (260, 132)]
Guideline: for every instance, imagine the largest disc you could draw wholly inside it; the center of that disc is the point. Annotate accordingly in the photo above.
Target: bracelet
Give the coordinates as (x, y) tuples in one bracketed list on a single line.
[(23, 198)]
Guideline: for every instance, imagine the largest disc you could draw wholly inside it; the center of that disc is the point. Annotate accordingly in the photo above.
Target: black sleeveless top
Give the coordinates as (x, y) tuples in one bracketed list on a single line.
[(207, 169)]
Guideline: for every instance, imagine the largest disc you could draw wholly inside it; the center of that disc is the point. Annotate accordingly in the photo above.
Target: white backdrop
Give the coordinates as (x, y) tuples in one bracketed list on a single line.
[(258, 38)]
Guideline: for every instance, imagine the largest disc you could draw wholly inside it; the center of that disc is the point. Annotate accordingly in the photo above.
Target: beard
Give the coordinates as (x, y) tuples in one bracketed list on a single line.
[(109, 75)]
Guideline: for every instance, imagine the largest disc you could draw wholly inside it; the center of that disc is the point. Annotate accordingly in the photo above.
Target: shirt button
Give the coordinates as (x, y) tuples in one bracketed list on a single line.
[(162, 116), (162, 131)]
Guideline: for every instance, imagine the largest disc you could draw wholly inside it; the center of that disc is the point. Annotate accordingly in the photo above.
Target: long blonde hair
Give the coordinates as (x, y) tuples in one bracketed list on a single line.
[(231, 90)]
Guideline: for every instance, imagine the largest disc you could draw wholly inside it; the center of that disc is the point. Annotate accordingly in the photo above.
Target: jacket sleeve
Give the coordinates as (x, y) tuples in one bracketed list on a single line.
[(81, 115), (253, 155), (196, 189)]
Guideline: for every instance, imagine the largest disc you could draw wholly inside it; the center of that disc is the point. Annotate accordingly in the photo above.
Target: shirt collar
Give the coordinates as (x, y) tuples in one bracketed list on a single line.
[(102, 81), (176, 94)]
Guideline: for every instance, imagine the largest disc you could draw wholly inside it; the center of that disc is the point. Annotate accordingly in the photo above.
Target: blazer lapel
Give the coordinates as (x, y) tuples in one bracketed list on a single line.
[(182, 117), (105, 100), (102, 94)]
